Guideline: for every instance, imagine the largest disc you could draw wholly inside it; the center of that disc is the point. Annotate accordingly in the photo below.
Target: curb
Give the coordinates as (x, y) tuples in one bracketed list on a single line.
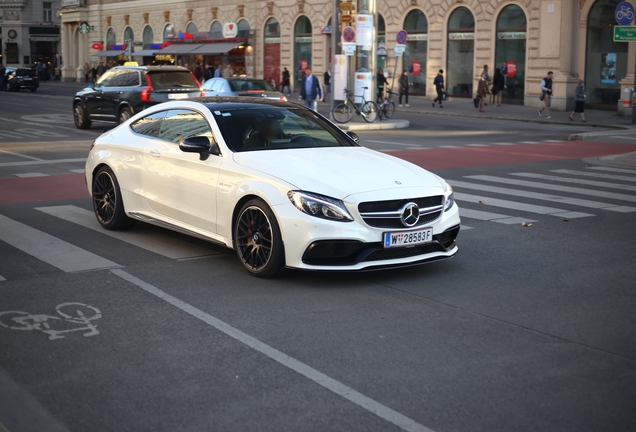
[(384, 125), (584, 135)]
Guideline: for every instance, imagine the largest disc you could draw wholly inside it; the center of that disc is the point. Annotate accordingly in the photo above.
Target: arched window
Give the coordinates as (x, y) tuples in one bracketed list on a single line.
[(216, 30), (129, 36), (149, 37), (606, 60), (302, 47), (271, 64), (192, 28), (243, 28), (461, 48), (381, 60), (168, 32), (415, 55), (111, 38), (511, 50)]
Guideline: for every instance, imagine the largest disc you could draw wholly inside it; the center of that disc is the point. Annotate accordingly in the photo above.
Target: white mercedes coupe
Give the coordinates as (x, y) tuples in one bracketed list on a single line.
[(275, 181)]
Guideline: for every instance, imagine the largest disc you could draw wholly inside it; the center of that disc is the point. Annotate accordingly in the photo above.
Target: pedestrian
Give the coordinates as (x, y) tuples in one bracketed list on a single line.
[(101, 69), (207, 72), (57, 73), (3, 70), (327, 81), (438, 82), (504, 71), (198, 71), (579, 101), (228, 72), (87, 71), (410, 76), (404, 89), (94, 74), (285, 82), (546, 95), (485, 71), (381, 81), (310, 91), (218, 72), (482, 91), (497, 87)]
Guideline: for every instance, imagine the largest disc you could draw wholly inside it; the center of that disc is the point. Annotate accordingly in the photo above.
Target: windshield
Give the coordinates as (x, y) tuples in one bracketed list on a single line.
[(172, 80), (275, 128), (256, 86), (24, 72)]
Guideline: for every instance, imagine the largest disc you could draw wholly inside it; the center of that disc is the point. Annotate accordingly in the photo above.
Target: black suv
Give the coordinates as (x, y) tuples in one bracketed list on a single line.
[(17, 79), (126, 90)]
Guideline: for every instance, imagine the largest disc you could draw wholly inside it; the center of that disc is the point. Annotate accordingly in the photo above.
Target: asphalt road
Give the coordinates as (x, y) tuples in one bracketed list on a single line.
[(527, 328)]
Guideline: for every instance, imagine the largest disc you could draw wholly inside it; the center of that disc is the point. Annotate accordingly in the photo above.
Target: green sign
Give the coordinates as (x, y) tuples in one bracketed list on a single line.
[(624, 33)]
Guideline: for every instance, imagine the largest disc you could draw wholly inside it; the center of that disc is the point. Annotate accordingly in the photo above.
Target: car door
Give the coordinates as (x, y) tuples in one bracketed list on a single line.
[(113, 93), (94, 99), (180, 185)]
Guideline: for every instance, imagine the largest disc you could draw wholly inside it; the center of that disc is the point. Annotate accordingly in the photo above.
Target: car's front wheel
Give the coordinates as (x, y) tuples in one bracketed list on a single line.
[(80, 117), (107, 202), (258, 241), (124, 114)]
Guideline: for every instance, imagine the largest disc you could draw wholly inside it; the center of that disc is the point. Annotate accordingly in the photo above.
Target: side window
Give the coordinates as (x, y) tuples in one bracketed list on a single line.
[(218, 85), (130, 79), (181, 124), (209, 84), (118, 79), (150, 125), (105, 80)]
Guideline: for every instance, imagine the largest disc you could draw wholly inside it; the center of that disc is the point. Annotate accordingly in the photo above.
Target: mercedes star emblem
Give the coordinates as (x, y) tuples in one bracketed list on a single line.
[(410, 214)]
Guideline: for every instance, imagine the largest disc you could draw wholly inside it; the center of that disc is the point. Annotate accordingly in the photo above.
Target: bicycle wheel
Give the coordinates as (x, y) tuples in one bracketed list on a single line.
[(389, 109), (78, 312), (369, 111), (342, 112)]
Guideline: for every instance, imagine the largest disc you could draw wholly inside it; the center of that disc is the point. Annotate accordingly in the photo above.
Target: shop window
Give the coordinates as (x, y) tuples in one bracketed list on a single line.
[(460, 54), (168, 32), (606, 60), (302, 47), (192, 28), (272, 50), (149, 37), (510, 51), (111, 39), (415, 55), (243, 28), (47, 11), (129, 37), (216, 30), (381, 61)]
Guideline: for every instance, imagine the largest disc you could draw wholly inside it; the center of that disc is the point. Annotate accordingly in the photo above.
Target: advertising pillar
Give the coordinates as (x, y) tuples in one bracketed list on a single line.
[(363, 73)]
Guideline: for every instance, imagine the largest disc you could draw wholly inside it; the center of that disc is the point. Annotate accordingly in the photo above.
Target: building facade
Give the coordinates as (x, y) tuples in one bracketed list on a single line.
[(573, 38), (29, 32)]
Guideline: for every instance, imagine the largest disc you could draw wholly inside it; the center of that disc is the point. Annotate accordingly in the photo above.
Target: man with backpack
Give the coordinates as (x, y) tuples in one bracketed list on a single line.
[(546, 95), (438, 82)]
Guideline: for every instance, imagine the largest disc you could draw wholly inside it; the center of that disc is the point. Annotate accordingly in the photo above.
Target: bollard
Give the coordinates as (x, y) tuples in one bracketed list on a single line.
[(628, 94)]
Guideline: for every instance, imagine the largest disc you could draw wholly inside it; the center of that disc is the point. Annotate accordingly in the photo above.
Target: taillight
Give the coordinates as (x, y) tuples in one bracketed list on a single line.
[(283, 98), (146, 95), (196, 80)]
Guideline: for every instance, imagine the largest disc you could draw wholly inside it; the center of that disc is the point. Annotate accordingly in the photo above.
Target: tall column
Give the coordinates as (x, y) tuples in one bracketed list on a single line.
[(66, 53), (569, 41)]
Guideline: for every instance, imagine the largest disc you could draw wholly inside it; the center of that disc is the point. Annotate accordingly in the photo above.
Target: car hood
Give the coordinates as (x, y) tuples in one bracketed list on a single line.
[(338, 171)]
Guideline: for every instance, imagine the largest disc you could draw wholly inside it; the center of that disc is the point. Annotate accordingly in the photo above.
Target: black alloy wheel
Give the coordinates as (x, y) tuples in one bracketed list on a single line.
[(107, 202), (124, 114), (80, 118), (257, 240)]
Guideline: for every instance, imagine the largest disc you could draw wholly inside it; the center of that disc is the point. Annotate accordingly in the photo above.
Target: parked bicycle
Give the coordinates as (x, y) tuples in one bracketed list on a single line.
[(387, 107), (343, 112)]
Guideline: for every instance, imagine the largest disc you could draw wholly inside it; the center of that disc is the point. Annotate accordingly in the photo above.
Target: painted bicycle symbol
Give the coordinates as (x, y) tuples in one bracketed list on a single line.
[(624, 12), (74, 313)]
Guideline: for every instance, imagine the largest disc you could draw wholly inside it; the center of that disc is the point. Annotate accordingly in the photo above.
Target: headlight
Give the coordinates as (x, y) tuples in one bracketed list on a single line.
[(320, 206), (449, 199)]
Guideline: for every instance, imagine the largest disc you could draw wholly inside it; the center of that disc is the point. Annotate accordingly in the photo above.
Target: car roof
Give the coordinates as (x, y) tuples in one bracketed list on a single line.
[(152, 68), (221, 103)]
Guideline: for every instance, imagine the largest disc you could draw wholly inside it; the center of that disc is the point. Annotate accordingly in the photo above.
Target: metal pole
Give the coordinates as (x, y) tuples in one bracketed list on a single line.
[(633, 98), (334, 44)]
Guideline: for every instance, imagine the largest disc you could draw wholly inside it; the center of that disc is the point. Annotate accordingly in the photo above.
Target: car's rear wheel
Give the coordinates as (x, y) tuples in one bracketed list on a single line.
[(107, 202), (124, 114), (33, 90), (80, 117), (258, 241)]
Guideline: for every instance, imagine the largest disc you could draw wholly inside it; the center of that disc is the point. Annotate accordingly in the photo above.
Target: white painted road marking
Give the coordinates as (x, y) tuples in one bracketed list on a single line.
[(28, 175), (513, 205), (51, 250), (392, 143), (165, 245), (493, 217), (307, 371), (577, 181), (42, 162), (597, 175), (21, 155), (2, 279), (610, 169)]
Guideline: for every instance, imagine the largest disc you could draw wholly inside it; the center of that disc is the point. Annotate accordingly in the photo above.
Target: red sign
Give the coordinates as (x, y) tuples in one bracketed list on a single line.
[(348, 34), (401, 36), (512, 69), (303, 65), (97, 46), (417, 68)]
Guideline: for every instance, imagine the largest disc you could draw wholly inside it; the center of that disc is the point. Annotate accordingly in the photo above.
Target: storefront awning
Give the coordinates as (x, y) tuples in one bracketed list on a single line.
[(215, 48), (109, 53), (144, 53), (179, 49)]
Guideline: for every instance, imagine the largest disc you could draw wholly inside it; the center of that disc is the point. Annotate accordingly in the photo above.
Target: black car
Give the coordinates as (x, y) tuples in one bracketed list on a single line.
[(17, 79), (126, 90)]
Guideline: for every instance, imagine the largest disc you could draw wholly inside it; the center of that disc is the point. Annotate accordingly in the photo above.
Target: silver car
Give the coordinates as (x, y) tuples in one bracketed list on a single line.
[(241, 86)]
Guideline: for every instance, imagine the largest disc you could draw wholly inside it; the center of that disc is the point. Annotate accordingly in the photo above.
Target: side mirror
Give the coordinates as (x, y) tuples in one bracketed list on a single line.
[(197, 144), (354, 136)]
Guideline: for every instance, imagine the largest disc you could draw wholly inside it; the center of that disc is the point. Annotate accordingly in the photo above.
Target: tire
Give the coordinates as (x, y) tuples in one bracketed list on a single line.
[(124, 114), (342, 113), (33, 90), (389, 110), (369, 111), (257, 240), (107, 202), (79, 117)]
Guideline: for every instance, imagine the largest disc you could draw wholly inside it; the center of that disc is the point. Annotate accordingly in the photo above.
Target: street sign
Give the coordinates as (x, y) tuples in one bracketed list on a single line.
[(349, 34), (624, 13), (346, 6), (349, 48), (401, 37), (382, 52), (624, 33), (399, 49), (346, 18)]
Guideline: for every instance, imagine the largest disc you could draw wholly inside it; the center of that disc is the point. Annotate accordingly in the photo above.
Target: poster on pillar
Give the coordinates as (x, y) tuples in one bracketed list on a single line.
[(339, 76), (364, 31), (363, 79)]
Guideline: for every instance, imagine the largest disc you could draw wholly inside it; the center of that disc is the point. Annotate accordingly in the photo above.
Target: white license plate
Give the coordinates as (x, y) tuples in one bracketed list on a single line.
[(28, 79), (178, 96), (409, 238)]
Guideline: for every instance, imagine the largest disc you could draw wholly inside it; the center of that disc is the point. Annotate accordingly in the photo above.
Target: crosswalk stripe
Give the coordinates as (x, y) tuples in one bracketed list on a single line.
[(29, 175), (578, 181), (51, 250), (41, 162), (610, 169), (141, 236), (597, 175), (559, 188), (493, 217), (514, 205), (529, 142), (541, 196), (2, 279), (503, 143), (553, 141), (477, 145), (465, 227)]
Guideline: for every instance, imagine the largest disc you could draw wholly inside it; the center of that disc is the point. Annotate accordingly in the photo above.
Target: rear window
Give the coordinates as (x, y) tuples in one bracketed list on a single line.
[(250, 85), (24, 72), (173, 80)]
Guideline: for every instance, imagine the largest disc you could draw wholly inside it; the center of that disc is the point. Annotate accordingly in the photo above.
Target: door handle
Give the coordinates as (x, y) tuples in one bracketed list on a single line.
[(154, 153)]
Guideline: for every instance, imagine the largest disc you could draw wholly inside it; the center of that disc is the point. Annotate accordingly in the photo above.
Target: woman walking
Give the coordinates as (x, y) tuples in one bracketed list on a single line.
[(579, 101), (87, 71), (404, 89), (482, 91), (498, 83)]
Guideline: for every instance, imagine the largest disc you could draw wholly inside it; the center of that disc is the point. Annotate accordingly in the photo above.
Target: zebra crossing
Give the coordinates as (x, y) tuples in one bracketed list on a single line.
[(608, 192)]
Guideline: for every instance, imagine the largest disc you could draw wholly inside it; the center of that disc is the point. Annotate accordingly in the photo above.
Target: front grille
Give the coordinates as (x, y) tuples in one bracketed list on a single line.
[(369, 211), (399, 253)]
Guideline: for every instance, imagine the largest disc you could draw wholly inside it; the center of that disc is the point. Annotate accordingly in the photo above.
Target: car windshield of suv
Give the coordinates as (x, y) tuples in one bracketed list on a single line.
[(173, 80), (24, 72), (275, 128), (256, 86)]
